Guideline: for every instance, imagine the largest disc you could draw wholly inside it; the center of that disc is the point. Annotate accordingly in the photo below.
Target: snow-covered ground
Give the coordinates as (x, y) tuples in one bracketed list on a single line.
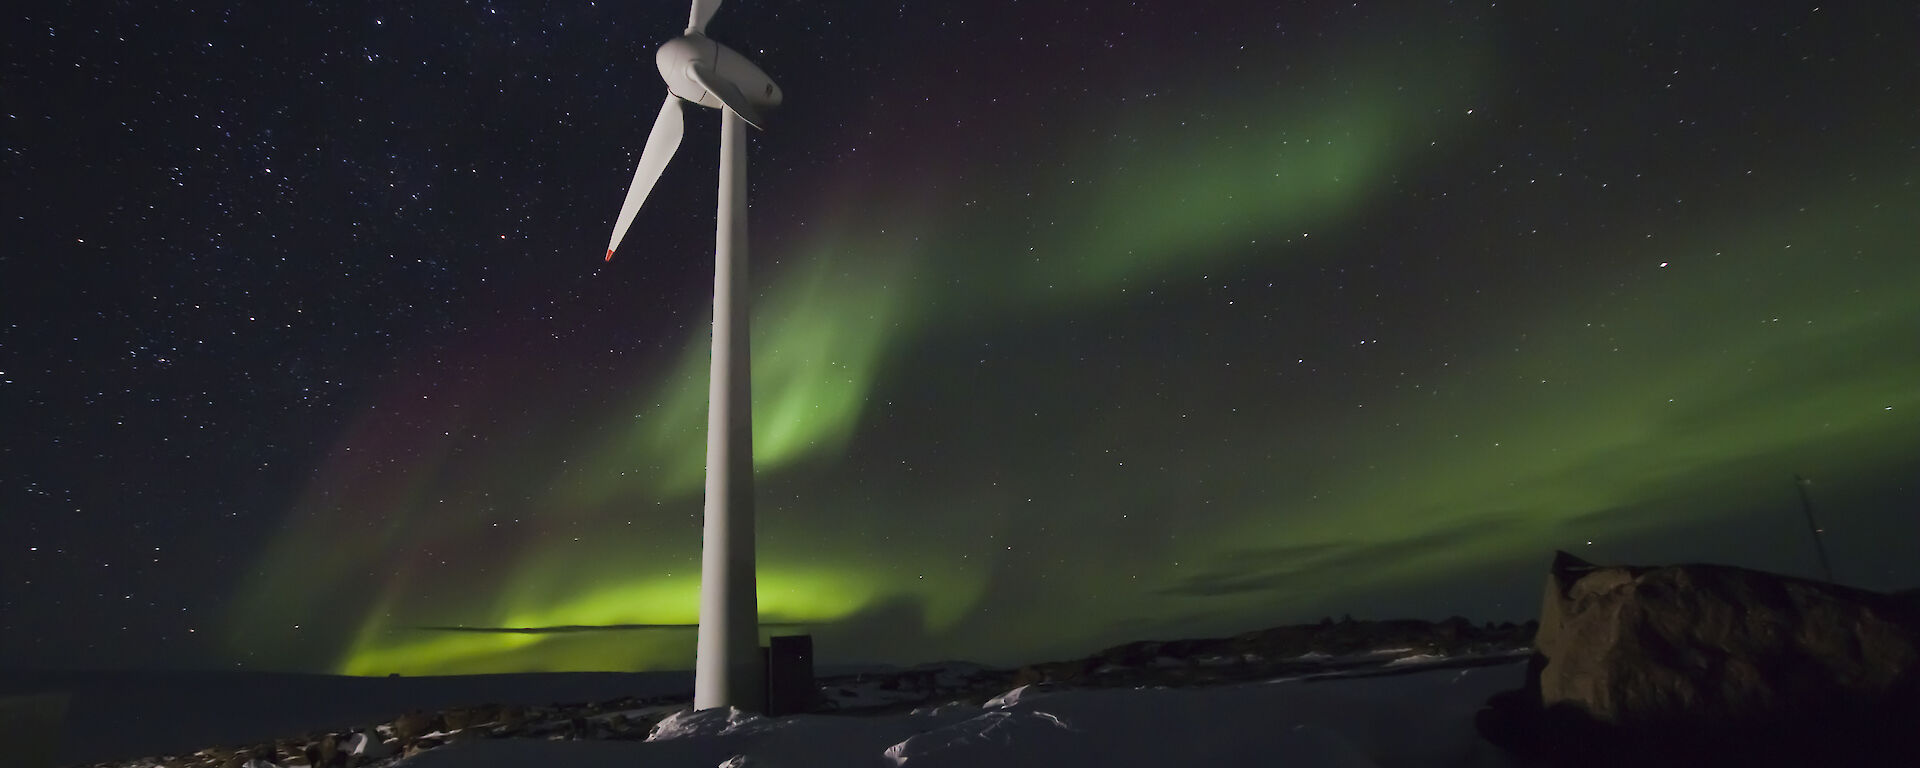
[(118, 715), (1420, 718), (1397, 707)]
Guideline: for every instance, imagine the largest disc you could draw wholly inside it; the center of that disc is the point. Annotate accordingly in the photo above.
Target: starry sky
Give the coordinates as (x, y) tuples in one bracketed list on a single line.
[(1073, 324)]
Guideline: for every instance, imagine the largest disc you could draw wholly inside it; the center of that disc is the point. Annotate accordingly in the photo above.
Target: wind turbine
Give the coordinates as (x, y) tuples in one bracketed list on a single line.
[(728, 668)]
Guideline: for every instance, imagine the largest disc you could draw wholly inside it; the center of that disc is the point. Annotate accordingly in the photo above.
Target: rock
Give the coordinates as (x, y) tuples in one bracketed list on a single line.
[(466, 735), (1630, 645), (365, 744), (288, 752), (324, 752), (1706, 662), (457, 719), (510, 721), (412, 726), (422, 745)]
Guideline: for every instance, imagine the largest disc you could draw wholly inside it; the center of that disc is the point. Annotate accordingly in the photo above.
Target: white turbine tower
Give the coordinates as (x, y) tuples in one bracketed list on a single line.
[(728, 668)]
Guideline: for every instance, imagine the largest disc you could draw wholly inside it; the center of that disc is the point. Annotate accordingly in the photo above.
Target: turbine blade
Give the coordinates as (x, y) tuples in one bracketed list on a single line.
[(661, 143), (701, 14), (729, 95)]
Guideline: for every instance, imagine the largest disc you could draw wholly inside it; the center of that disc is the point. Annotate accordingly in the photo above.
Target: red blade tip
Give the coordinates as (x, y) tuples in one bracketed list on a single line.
[(609, 254)]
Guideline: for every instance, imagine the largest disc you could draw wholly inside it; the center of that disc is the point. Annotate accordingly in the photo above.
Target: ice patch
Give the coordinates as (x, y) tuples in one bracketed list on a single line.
[(939, 709), (709, 722), (1015, 696), (980, 740)]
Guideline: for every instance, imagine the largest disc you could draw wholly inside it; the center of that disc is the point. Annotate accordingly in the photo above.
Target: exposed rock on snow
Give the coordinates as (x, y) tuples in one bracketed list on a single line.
[(365, 744)]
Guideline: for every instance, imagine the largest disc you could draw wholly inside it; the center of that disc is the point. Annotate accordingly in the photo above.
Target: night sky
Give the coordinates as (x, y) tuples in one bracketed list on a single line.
[(1072, 325)]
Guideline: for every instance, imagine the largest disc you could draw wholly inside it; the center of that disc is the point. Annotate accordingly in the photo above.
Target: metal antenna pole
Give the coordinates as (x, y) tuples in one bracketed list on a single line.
[(1819, 545)]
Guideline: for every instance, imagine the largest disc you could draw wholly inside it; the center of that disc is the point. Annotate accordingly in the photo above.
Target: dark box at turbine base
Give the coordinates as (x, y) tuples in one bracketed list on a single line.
[(790, 686)]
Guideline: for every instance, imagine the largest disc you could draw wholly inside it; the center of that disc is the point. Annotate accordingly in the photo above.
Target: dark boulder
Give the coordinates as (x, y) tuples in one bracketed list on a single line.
[(1704, 663), (413, 725), (457, 718)]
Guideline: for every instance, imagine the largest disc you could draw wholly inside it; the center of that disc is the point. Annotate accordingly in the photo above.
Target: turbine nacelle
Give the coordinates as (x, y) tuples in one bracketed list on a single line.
[(698, 70), (704, 72)]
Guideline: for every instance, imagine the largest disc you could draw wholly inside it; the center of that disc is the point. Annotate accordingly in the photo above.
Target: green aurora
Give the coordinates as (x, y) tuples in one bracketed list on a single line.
[(1006, 442)]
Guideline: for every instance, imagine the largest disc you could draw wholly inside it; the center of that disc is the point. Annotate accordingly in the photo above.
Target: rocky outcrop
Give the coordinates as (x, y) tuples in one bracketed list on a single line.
[(1704, 663), (1341, 646)]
